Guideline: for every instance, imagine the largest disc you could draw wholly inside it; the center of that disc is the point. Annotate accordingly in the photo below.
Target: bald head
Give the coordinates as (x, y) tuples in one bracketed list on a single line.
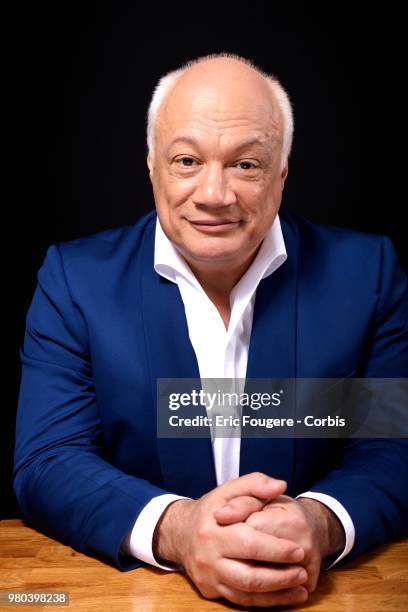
[(222, 86), (226, 90)]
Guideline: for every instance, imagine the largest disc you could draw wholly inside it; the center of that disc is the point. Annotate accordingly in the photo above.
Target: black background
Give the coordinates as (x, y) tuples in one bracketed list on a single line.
[(79, 79)]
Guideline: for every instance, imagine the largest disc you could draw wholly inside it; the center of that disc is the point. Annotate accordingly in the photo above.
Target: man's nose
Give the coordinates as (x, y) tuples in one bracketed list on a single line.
[(213, 187)]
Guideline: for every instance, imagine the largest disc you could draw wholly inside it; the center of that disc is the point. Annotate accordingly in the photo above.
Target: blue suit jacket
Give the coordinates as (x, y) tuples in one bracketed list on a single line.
[(103, 326)]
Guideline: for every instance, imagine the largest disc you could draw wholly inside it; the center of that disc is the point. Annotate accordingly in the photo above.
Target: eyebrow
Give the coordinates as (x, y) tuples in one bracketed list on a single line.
[(244, 145)]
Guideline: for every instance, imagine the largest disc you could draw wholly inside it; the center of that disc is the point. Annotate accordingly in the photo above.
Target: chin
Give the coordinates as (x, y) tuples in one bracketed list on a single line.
[(212, 249)]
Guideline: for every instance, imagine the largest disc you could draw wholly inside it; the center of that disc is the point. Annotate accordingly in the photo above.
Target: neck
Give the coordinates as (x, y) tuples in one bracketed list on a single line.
[(218, 283)]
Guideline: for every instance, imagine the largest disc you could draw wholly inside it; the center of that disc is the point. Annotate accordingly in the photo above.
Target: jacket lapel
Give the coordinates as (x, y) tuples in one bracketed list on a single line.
[(272, 354), (187, 463)]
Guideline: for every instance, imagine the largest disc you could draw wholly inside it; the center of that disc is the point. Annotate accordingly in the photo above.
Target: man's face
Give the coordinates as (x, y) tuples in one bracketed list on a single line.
[(216, 172)]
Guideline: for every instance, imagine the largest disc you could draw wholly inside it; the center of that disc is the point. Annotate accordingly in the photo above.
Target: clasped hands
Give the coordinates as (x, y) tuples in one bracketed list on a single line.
[(248, 542)]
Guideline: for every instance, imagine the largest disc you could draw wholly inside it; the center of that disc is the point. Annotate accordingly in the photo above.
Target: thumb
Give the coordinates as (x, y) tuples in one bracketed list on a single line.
[(252, 493)]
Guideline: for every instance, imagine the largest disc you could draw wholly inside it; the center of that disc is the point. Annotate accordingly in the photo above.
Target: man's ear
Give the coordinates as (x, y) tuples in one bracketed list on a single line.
[(149, 161), (284, 174)]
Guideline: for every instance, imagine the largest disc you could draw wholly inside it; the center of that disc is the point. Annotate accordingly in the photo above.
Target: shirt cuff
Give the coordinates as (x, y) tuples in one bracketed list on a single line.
[(344, 518), (138, 542)]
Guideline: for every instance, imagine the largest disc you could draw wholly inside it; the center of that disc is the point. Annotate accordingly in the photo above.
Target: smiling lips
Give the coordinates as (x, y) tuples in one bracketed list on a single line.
[(214, 226)]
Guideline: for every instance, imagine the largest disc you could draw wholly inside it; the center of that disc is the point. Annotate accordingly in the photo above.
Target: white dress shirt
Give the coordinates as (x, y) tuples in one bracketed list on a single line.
[(220, 353)]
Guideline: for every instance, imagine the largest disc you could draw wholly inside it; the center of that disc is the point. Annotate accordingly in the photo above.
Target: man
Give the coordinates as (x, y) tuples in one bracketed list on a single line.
[(219, 285)]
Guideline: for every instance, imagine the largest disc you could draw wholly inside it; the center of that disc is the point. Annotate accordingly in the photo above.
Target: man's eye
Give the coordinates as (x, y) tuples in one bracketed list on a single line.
[(185, 162), (247, 165)]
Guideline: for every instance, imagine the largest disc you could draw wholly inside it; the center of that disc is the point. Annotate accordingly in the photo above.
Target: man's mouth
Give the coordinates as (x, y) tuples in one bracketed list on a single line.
[(214, 226)]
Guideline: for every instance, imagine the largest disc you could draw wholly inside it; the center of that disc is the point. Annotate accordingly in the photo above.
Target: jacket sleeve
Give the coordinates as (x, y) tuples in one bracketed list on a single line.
[(371, 479), (64, 484)]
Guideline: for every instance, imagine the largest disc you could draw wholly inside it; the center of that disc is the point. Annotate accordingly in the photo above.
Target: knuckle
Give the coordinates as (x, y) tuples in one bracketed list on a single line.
[(308, 547), (258, 477), (286, 579), (282, 580), (248, 582), (205, 590), (200, 563), (295, 595), (296, 522), (203, 533), (236, 502), (242, 583), (253, 519), (251, 547), (287, 551), (204, 581), (302, 522), (288, 597), (263, 478)]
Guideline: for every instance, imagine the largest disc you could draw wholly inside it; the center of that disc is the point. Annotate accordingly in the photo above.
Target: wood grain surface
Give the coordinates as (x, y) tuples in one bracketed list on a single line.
[(30, 561)]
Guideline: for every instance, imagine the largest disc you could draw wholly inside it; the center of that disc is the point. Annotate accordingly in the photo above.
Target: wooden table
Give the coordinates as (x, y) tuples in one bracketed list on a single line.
[(29, 561)]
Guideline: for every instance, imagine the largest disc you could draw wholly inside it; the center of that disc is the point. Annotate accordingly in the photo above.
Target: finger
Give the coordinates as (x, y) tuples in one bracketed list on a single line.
[(255, 484), (277, 598), (238, 509), (312, 568), (240, 541), (279, 503), (278, 524), (252, 578), (265, 522)]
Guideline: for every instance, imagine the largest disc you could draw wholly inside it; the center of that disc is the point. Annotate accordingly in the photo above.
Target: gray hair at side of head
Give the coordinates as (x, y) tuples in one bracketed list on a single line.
[(166, 83)]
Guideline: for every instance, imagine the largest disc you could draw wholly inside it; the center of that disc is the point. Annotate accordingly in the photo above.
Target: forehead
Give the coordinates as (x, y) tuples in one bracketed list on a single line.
[(230, 112)]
